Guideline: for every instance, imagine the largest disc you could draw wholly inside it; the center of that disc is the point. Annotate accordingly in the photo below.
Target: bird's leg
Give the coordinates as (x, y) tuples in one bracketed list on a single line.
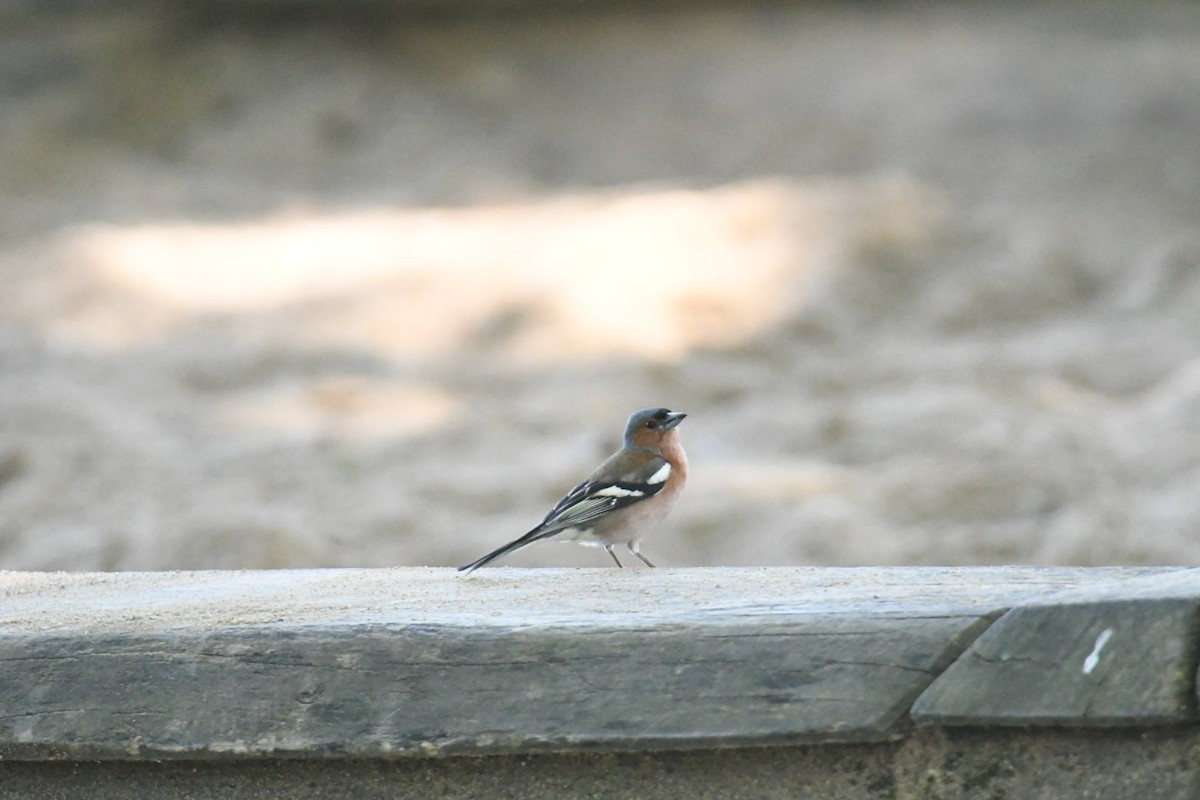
[(636, 550), (608, 549)]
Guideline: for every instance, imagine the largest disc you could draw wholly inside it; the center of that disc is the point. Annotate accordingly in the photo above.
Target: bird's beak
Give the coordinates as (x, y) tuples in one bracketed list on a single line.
[(673, 419)]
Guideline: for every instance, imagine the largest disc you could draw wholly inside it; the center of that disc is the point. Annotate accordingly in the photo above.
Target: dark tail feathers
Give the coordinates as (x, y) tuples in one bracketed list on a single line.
[(528, 538)]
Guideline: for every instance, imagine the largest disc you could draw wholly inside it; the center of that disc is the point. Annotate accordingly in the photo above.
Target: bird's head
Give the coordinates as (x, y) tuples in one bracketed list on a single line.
[(650, 428)]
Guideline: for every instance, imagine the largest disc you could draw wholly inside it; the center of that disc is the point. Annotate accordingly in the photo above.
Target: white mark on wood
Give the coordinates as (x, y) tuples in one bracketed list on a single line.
[(617, 491), (663, 473), (1093, 658)]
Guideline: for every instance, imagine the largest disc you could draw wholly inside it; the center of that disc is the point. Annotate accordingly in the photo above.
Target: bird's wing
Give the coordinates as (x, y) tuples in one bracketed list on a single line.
[(621, 481), (626, 478)]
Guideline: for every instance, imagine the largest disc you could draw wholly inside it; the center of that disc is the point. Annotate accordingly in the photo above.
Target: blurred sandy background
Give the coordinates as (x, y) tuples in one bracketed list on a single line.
[(287, 289)]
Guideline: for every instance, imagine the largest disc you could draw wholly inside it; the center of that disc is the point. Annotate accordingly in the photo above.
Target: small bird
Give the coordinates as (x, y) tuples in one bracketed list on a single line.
[(633, 489)]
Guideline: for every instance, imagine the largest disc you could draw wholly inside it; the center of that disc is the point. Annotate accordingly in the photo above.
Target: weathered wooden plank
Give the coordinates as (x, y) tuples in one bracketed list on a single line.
[(427, 662), (144, 602), (1119, 653), (431, 690)]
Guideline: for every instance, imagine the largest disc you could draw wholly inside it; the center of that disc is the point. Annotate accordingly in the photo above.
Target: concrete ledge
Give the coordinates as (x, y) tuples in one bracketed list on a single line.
[(930, 764), (426, 662)]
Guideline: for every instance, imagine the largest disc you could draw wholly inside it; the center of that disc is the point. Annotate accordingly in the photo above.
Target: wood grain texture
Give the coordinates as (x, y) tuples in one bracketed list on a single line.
[(1124, 653), (425, 662)]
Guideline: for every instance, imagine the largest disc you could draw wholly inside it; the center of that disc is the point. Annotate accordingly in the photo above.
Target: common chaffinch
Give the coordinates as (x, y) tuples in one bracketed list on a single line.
[(634, 488)]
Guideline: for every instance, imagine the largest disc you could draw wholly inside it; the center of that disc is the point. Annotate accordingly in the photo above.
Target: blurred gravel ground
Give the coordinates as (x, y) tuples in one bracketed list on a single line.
[(316, 291)]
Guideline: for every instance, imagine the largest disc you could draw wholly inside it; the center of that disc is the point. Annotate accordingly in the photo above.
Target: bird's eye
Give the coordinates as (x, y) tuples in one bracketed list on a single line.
[(651, 424)]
